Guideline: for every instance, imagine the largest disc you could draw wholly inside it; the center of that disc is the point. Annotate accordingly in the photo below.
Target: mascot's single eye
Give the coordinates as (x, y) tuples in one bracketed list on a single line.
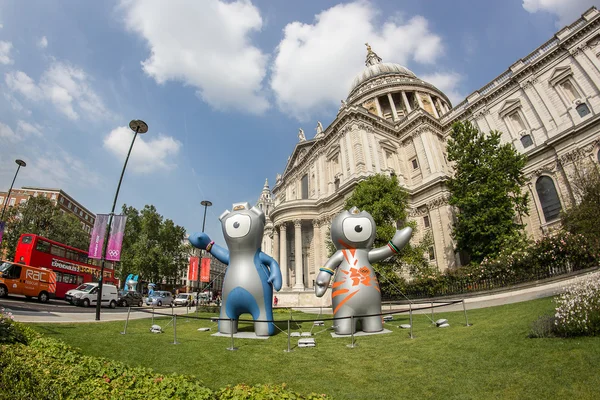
[(357, 230), (237, 225)]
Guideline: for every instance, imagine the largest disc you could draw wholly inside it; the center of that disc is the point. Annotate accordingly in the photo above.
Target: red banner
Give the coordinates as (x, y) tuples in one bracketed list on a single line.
[(205, 270), (193, 269)]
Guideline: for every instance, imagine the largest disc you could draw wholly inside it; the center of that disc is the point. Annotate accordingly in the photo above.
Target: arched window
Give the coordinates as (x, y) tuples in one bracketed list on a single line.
[(548, 198)]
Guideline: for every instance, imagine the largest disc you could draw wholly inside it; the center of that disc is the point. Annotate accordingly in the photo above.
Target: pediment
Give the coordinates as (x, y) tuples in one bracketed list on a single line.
[(509, 106), (559, 74), (298, 154)]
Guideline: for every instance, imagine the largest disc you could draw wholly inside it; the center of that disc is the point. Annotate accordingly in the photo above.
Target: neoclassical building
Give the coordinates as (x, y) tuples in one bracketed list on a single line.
[(546, 104)]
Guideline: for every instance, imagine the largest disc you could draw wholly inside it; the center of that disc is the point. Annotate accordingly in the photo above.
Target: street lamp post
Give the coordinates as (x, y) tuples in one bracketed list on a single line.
[(20, 164), (139, 127), (206, 204)]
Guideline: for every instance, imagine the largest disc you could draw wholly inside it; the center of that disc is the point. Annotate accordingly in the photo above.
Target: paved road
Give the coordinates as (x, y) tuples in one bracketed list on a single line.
[(59, 311)]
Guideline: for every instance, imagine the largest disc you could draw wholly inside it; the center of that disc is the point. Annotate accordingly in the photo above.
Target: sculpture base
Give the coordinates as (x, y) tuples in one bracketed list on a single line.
[(241, 335), (360, 333)]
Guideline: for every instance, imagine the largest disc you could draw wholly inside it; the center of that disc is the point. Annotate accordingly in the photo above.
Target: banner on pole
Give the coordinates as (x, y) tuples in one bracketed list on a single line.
[(115, 240), (205, 270), (97, 238), (1, 230), (193, 269)]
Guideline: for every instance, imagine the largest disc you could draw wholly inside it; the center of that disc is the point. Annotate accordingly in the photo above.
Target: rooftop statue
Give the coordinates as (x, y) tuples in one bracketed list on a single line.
[(301, 136)]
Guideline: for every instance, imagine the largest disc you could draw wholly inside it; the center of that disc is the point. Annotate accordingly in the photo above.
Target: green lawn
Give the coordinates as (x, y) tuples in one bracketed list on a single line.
[(493, 358)]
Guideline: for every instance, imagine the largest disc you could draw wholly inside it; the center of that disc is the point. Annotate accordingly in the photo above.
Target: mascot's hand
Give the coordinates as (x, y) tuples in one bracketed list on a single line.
[(401, 238), (199, 240), (322, 283), (275, 278)]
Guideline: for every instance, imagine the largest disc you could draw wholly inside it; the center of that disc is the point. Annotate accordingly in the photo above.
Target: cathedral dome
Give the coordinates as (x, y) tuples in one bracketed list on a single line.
[(380, 69)]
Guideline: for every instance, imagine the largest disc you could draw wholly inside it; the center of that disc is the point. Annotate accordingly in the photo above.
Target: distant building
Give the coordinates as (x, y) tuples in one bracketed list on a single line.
[(392, 122), (65, 202)]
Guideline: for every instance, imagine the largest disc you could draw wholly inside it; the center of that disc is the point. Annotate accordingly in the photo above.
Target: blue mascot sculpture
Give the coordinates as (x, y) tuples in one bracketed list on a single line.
[(251, 275)]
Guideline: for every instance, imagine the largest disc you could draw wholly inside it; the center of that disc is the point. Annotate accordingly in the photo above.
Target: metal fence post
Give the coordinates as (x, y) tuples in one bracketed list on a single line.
[(432, 318), (411, 321), (126, 321), (288, 338), (232, 347), (175, 329), (352, 345), (465, 310)]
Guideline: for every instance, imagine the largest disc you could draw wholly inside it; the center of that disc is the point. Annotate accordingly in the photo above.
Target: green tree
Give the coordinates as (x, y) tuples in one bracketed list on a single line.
[(486, 190), (580, 217), (40, 216), (386, 201), (153, 247)]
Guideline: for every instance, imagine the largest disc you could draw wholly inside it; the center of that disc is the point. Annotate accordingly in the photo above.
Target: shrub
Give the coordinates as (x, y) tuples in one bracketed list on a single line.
[(10, 331), (49, 369), (578, 309), (543, 327)]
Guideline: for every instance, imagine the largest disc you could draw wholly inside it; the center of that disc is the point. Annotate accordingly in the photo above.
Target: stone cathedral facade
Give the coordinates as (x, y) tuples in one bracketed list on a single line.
[(546, 104)]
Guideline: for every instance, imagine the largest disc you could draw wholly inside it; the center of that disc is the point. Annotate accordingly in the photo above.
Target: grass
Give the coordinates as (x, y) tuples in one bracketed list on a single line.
[(493, 358)]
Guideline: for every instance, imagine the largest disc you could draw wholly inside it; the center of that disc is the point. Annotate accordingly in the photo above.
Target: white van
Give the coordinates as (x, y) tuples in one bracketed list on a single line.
[(87, 294)]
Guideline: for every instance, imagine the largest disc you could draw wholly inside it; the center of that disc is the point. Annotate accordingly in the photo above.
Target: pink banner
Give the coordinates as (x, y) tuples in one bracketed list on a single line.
[(97, 238), (205, 270), (193, 269), (115, 240)]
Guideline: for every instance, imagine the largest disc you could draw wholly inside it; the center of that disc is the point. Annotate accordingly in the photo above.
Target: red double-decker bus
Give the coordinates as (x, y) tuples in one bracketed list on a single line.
[(72, 266)]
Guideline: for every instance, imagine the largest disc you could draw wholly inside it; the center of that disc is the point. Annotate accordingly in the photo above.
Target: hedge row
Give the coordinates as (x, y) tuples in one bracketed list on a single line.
[(46, 368)]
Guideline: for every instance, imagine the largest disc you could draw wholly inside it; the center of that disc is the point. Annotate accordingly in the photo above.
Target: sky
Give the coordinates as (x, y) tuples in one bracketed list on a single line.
[(224, 86)]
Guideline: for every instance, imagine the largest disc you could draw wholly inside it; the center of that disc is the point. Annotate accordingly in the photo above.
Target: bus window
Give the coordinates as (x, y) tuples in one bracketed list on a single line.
[(79, 279), (57, 251), (27, 239), (43, 246), (58, 276)]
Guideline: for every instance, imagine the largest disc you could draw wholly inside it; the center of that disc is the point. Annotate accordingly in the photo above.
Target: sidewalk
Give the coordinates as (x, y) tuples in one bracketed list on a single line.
[(483, 301)]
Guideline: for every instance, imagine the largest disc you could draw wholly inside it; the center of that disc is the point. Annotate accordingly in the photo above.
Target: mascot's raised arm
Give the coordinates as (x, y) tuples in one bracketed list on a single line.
[(251, 274)]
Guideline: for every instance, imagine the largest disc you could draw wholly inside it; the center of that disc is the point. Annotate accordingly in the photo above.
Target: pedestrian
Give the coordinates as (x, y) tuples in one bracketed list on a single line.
[(275, 301)]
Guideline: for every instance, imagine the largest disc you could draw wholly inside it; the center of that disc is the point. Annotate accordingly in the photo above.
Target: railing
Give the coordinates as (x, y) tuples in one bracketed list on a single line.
[(448, 285)]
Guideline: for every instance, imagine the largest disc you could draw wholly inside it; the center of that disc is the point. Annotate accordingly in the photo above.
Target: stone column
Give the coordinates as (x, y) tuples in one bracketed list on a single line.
[(275, 254), (437, 115), (283, 255), (406, 104), (299, 285), (393, 107), (316, 245)]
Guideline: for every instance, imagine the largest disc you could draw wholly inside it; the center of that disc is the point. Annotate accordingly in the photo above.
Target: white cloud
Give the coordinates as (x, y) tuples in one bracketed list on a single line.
[(57, 168), (567, 11), (7, 134), (204, 44), (28, 128), (65, 86), (16, 104), (316, 63), (43, 42), (5, 48), (447, 82), (148, 155)]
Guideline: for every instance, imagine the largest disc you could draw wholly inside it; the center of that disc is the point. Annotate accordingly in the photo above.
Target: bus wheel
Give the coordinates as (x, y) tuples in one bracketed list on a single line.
[(159, 303), (113, 304), (86, 303), (3, 291), (43, 297)]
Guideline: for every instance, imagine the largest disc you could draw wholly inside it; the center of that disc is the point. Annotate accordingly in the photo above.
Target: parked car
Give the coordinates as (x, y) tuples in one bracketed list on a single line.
[(184, 299), (87, 294), (160, 298), (127, 299)]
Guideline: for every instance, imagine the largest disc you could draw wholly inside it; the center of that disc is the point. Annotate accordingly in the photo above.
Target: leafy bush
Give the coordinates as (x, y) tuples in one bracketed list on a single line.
[(10, 331), (49, 369), (543, 327), (578, 309)]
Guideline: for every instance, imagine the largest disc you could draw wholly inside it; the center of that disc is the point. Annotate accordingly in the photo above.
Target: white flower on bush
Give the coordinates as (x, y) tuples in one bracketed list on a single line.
[(578, 308)]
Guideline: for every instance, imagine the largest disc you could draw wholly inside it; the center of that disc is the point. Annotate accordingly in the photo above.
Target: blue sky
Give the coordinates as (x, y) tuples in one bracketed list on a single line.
[(223, 85)]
